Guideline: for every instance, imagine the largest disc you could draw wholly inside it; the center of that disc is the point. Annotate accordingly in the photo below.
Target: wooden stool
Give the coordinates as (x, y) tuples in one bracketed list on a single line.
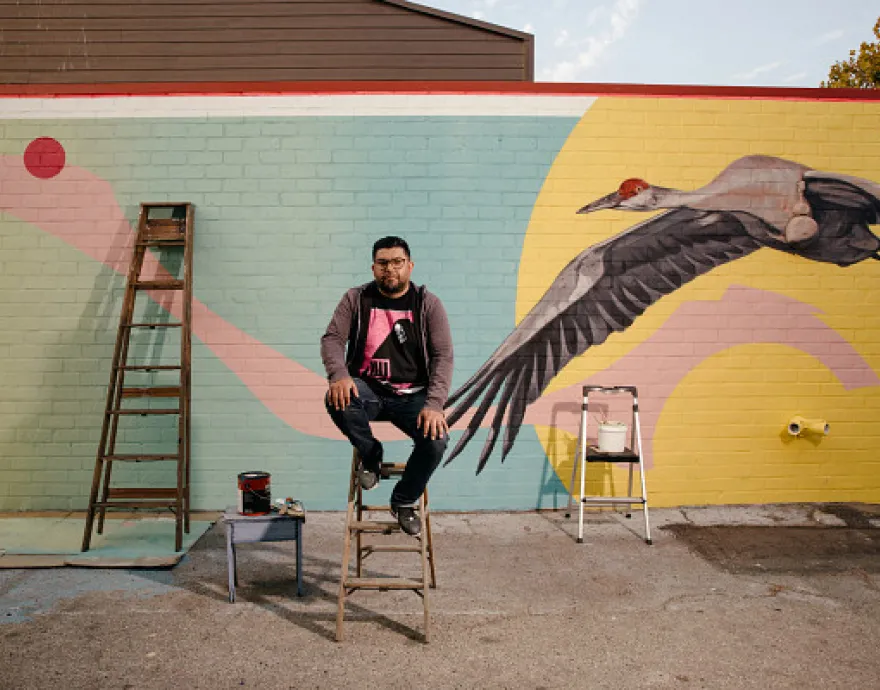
[(355, 524)]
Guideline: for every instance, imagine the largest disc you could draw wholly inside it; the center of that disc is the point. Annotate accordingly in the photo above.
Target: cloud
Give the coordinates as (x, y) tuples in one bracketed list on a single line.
[(799, 77), (751, 74), (594, 15), (828, 37), (619, 18), (529, 29), (562, 71), (561, 39)]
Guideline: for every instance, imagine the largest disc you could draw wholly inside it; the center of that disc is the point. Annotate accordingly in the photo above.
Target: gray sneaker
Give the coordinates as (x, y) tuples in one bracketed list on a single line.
[(408, 519), (368, 479)]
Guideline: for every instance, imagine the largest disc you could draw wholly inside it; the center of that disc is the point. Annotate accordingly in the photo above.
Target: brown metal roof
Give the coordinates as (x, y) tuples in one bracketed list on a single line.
[(119, 41)]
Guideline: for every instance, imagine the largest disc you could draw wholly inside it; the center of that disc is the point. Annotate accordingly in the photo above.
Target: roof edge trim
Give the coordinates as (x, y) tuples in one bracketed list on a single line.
[(460, 19)]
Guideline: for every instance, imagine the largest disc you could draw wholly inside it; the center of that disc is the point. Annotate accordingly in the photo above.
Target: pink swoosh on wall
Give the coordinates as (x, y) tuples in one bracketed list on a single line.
[(698, 330), (82, 210)]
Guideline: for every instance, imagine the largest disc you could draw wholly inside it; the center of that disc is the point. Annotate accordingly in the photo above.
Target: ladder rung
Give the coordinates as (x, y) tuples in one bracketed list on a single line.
[(142, 492), (147, 411), (366, 508), (172, 223), (390, 548), (135, 504), (382, 583), (163, 228), (390, 469), (595, 455), (159, 285), (142, 457), (151, 367), (631, 500), (373, 526), (153, 325), (152, 392), (161, 243)]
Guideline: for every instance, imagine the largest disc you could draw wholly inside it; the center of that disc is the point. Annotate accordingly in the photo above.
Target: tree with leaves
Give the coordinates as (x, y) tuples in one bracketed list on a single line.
[(861, 71)]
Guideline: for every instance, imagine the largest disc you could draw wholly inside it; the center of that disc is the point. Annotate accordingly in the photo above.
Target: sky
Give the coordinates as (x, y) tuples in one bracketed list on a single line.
[(782, 43)]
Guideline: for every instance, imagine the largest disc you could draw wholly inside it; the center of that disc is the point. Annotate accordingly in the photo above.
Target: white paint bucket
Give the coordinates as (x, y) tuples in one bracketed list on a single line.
[(612, 437)]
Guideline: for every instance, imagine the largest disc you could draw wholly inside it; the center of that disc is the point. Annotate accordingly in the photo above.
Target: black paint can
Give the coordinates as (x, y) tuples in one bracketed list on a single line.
[(254, 493)]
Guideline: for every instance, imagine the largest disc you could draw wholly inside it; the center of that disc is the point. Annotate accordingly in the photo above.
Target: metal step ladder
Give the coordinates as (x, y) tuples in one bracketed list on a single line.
[(357, 526), (631, 455), (166, 229)]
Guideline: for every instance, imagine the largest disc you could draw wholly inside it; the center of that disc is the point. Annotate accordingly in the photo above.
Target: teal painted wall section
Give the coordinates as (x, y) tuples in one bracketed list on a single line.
[(287, 210)]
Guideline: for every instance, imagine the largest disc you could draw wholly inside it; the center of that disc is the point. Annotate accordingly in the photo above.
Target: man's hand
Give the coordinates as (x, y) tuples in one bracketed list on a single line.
[(432, 423), (341, 392)]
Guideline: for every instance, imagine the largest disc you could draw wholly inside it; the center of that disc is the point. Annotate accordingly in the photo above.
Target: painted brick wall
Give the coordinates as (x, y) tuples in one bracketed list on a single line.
[(291, 192)]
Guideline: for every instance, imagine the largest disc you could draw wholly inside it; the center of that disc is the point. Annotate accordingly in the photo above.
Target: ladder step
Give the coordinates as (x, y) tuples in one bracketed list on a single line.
[(373, 526), (143, 457), (383, 583), (157, 410), (162, 230), (159, 285), (153, 325), (142, 492), (152, 392), (390, 548), (176, 223), (134, 504), (151, 367), (626, 455), (390, 469), (161, 242), (616, 499)]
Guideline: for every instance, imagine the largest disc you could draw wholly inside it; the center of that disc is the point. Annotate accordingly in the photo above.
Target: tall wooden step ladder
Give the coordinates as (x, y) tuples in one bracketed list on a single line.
[(357, 526), (165, 228)]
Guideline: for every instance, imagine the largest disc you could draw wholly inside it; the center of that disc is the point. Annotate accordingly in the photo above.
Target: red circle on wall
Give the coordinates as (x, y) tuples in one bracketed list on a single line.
[(44, 158)]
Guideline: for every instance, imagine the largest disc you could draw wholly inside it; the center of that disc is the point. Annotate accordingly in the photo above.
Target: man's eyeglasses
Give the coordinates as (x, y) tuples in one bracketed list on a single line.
[(394, 263)]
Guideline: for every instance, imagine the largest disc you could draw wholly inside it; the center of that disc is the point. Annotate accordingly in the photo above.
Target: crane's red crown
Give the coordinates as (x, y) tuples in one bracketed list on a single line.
[(629, 188)]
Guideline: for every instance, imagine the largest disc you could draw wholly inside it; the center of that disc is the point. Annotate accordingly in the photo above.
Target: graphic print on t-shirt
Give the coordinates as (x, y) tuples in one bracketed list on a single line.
[(390, 355)]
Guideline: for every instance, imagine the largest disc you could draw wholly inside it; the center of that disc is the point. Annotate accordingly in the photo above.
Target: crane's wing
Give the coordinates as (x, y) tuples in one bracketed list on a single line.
[(843, 190), (602, 290), (843, 206)]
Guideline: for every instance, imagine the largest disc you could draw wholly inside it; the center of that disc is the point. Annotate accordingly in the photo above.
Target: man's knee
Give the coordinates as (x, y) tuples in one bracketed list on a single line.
[(434, 447), (353, 407)]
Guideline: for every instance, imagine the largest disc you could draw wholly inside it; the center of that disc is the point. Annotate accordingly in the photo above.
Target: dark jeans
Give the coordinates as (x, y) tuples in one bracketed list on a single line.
[(403, 412)]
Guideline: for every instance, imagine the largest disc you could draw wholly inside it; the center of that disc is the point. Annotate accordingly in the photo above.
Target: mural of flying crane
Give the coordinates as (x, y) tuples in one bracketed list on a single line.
[(756, 202)]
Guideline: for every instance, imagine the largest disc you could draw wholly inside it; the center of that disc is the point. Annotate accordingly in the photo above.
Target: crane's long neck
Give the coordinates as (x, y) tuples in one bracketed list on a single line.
[(666, 197), (773, 201), (708, 198)]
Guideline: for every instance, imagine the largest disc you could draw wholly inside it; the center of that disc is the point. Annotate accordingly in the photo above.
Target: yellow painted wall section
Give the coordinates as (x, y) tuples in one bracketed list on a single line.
[(721, 437)]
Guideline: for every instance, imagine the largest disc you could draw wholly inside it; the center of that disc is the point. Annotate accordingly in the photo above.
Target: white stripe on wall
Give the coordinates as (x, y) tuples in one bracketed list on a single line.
[(348, 105)]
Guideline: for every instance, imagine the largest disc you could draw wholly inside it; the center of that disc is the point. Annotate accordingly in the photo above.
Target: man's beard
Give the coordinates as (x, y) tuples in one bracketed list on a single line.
[(390, 283)]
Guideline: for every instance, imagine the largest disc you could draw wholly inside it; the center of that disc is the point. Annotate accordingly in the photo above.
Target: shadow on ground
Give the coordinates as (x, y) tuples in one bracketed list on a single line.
[(850, 547)]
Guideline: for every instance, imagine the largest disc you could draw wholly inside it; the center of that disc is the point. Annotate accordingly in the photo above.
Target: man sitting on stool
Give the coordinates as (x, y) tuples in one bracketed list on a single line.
[(388, 356)]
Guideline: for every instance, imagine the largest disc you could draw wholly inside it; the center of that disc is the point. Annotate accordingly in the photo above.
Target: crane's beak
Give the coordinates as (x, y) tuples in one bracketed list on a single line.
[(608, 201)]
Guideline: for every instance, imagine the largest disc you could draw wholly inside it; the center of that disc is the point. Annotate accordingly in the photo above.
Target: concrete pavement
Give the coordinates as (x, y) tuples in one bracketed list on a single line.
[(743, 597)]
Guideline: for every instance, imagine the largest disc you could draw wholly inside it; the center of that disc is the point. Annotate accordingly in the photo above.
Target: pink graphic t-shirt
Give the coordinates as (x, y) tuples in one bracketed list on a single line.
[(392, 360)]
